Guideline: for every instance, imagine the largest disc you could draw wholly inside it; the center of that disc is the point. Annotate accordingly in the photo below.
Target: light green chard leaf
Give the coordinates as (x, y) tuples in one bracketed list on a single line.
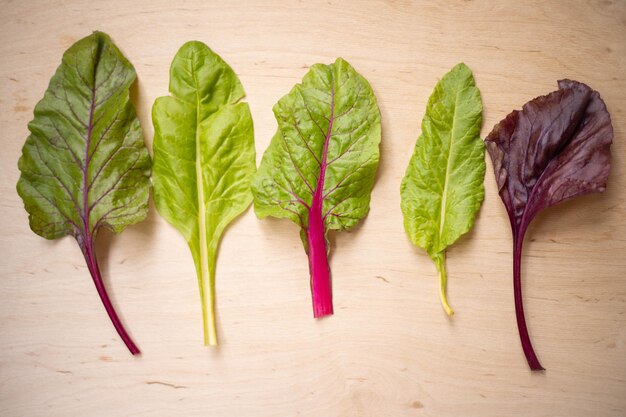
[(319, 168), (85, 165), (204, 159), (442, 189)]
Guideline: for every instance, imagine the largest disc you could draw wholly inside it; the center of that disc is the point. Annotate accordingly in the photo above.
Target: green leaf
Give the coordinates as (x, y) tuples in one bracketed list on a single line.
[(85, 165), (320, 166), (204, 159), (442, 189)]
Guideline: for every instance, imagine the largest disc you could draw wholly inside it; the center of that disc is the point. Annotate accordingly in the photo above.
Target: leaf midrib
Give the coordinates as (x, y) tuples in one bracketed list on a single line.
[(86, 184), (200, 187), (205, 279), (444, 198), (318, 197)]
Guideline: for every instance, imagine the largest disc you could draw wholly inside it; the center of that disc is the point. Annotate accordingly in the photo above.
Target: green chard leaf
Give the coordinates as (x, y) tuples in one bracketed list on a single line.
[(442, 189), (85, 165), (319, 168), (204, 159)]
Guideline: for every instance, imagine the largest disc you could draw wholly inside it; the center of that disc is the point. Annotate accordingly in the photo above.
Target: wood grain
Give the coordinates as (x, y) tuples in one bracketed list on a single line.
[(389, 350)]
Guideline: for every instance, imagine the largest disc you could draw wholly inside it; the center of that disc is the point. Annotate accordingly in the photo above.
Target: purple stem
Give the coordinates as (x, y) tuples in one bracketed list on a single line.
[(92, 264), (321, 289), (531, 357)]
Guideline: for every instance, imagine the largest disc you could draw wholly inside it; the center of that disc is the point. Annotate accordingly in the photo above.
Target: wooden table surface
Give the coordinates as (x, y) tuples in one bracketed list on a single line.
[(389, 350)]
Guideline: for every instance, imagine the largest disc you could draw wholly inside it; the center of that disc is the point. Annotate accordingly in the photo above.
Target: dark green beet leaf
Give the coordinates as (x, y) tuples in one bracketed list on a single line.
[(85, 165)]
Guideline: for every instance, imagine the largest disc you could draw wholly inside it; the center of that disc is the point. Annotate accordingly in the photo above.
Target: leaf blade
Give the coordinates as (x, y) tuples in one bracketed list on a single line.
[(307, 108)]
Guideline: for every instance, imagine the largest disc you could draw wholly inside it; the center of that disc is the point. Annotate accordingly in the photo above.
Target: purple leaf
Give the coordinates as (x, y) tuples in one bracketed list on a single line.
[(556, 148)]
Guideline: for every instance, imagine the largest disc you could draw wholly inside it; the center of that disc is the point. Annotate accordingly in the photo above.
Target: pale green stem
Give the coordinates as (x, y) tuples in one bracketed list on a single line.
[(440, 263), (210, 334), (206, 283)]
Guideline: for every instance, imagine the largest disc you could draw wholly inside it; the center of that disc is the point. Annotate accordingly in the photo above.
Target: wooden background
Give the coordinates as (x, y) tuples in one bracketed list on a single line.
[(389, 350)]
